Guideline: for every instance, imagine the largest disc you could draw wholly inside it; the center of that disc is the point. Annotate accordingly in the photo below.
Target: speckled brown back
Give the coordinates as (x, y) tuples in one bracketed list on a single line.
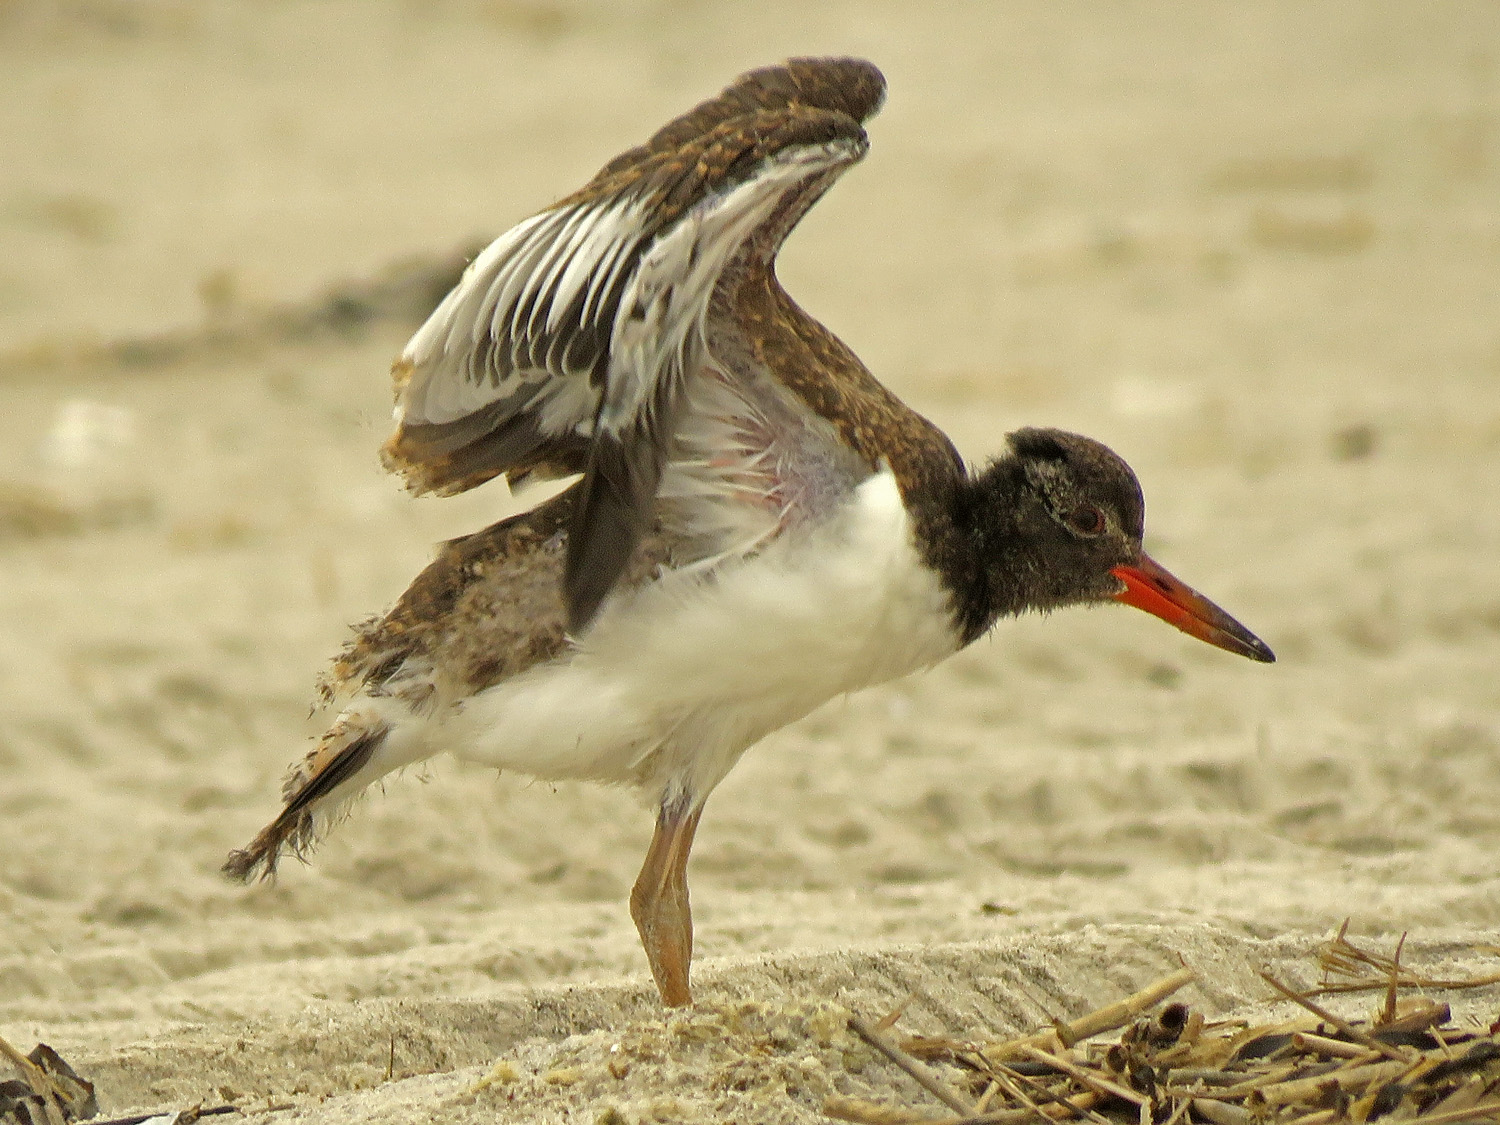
[(487, 608)]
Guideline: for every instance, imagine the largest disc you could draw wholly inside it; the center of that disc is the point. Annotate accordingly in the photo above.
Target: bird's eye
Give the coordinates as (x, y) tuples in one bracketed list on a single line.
[(1087, 520)]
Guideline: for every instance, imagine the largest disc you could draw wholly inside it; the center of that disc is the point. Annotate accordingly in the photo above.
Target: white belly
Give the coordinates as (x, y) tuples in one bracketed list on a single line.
[(677, 679)]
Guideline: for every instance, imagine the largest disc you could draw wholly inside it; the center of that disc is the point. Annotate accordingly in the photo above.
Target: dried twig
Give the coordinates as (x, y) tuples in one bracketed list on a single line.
[(1388, 1013), (888, 1021), (873, 1113), (1093, 1081), (37, 1078), (1407, 1063), (50, 1096), (1422, 1019), (1017, 1091), (1045, 1096), (1340, 955), (1221, 1113), (1311, 1044), (1107, 1018), (1485, 1109), (924, 1076), (1309, 1089), (1343, 1025)]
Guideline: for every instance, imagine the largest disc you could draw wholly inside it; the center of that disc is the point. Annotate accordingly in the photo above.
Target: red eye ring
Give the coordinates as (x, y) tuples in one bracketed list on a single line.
[(1087, 520)]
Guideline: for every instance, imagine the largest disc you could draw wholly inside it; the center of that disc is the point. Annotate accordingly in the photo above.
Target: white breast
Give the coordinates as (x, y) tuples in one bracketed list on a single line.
[(675, 681)]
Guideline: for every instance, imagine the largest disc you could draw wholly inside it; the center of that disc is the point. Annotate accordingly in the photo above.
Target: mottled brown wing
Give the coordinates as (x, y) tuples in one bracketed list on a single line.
[(853, 87), (564, 346)]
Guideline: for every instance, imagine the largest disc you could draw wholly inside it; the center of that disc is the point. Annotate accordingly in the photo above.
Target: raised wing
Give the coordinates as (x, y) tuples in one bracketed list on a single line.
[(564, 346)]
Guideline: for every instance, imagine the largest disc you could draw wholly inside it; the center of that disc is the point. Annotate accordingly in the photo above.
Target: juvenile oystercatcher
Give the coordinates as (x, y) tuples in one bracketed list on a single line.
[(758, 525)]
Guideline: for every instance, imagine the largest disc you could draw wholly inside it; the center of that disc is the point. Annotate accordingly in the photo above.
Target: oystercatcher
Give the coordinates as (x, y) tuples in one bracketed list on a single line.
[(758, 525)]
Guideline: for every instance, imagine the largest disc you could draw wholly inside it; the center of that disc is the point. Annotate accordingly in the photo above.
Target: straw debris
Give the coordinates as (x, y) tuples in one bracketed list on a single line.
[(1169, 1065), (48, 1091)]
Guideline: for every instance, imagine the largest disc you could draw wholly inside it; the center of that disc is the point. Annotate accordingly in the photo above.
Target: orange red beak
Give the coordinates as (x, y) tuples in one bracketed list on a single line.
[(1151, 587)]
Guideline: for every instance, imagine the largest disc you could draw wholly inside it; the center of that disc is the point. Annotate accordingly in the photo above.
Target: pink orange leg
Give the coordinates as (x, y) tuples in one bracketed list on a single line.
[(659, 902)]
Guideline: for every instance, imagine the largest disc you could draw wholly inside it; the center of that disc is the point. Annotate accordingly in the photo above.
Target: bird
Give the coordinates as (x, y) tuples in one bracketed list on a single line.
[(757, 525)]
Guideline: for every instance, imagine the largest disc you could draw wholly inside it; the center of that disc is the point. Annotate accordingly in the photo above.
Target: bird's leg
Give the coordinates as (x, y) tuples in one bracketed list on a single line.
[(659, 900)]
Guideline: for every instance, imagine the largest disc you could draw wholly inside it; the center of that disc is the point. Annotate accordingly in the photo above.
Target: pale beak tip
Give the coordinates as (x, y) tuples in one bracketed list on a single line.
[(1260, 651)]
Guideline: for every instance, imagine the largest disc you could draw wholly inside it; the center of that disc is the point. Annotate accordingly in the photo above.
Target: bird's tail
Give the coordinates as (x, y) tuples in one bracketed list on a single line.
[(317, 790)]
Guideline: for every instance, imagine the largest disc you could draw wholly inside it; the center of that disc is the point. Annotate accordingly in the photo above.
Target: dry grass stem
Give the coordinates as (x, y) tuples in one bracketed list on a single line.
[(1388, 1013), (924, 1076), (1488, 1111), (1015, 1090), (864, 1112), (1331, 1048), (37, 1078), (1368, 971), (888, 1021), (1092, 1081), (1343, 1025), (1310, 1089), (1321, 1117), (1082, 1106), (1108, 1018), (1258, 1082), (1167, 1065), (1221, 1113), (1046, 1106)]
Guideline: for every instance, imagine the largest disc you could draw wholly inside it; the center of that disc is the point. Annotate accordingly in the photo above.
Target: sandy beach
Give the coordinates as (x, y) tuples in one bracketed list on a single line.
[(1253, 248)]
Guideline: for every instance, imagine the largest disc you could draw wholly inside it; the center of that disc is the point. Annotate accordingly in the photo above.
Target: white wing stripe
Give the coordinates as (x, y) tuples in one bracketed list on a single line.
[(515, 327), (607, 236), (521, 290), (559, 252), (668, 297), (468, 301), (513, 276), (503, 273), (605, 280)]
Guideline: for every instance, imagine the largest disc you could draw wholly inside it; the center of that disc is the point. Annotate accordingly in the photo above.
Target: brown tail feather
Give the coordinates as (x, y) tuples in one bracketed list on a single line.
[(294, 829)]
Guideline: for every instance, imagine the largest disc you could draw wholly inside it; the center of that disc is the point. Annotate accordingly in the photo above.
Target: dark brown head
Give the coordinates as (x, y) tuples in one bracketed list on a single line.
[(1058, 521)]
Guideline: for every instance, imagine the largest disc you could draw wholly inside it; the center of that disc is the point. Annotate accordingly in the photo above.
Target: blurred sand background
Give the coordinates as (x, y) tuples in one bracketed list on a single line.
[(1253, 247)]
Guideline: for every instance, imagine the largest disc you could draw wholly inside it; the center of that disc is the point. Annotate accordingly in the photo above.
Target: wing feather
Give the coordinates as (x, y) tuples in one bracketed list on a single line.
[(565, 344)]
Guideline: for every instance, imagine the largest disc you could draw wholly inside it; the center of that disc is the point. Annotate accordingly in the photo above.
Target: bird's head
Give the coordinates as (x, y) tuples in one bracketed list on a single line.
[(1070, 533)]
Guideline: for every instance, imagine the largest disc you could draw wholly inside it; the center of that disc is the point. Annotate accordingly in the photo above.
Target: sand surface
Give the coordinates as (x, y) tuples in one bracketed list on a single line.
[(1255, 248)]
